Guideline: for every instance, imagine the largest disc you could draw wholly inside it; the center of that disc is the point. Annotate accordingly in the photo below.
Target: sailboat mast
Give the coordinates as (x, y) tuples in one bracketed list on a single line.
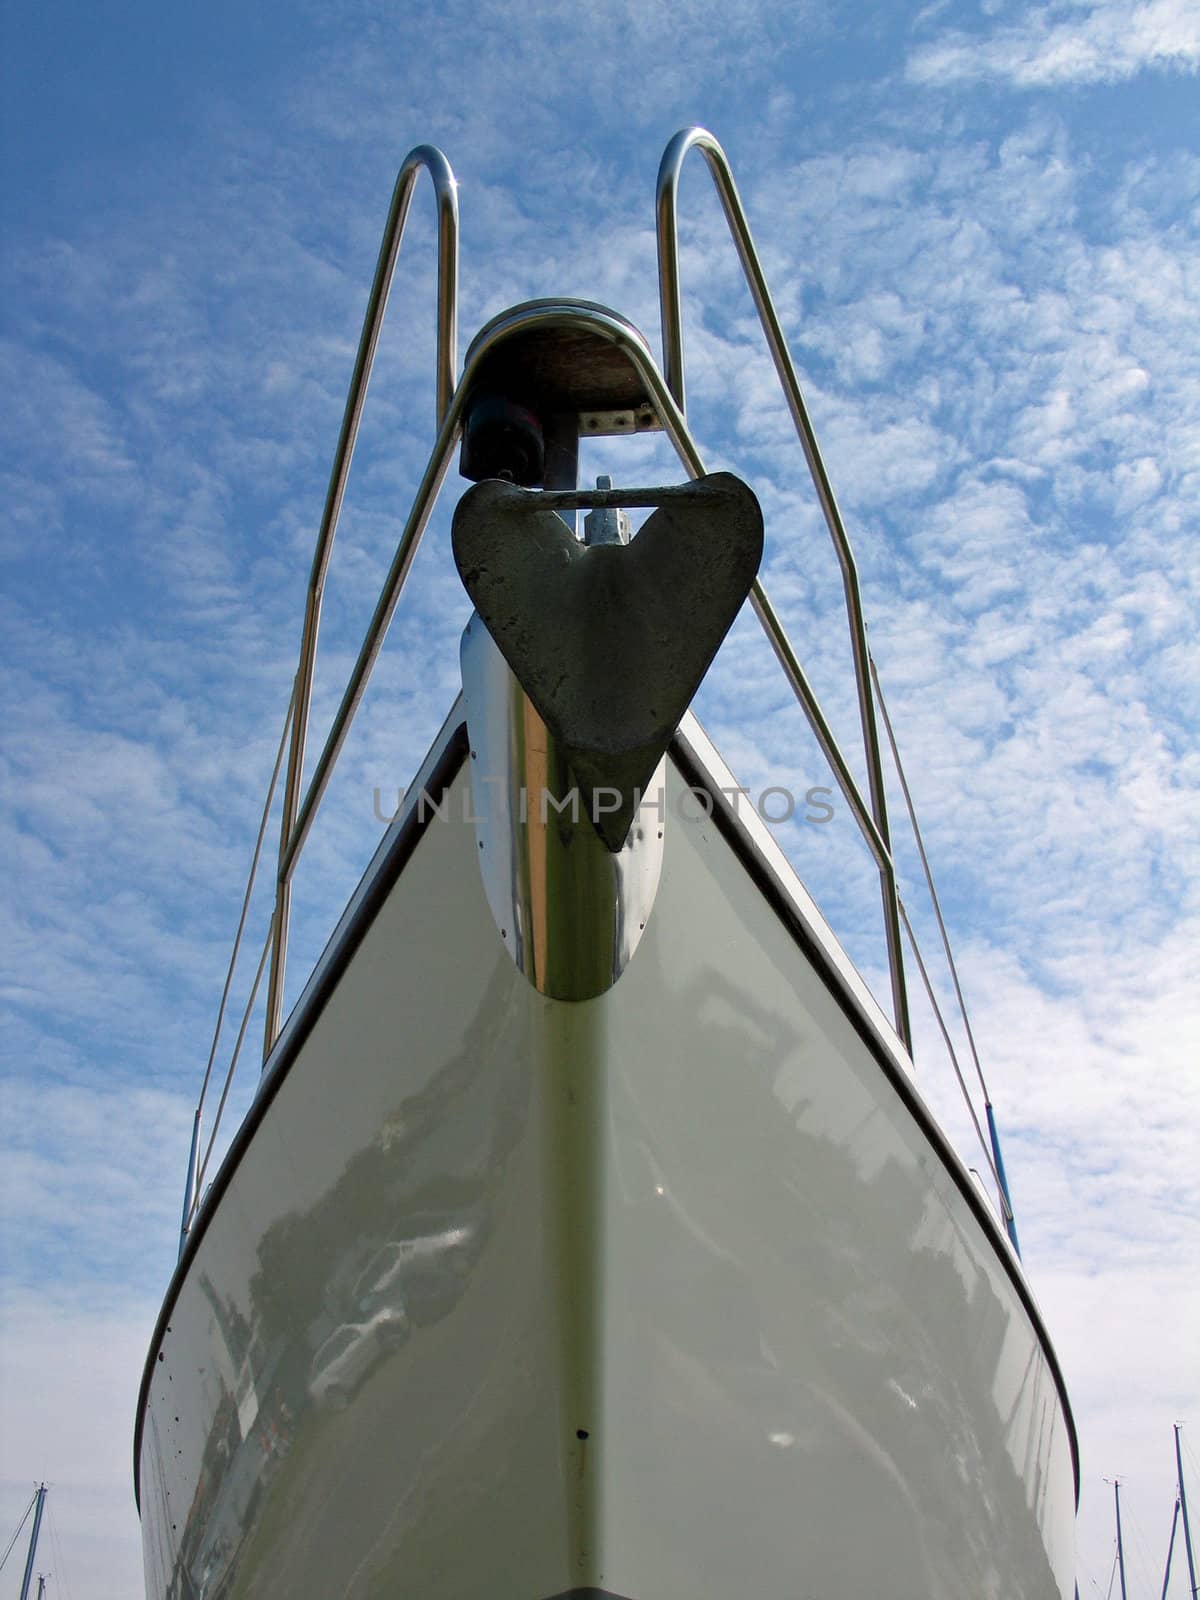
[(1120, 1541), (1187, 1532), (1170, 1549), (33, 1539)]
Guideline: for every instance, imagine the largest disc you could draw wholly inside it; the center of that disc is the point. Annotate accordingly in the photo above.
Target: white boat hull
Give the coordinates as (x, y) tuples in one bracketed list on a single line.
[(672, 1292)]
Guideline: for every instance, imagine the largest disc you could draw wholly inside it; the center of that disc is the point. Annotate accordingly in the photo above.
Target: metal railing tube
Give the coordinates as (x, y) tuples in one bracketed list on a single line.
[(446, 192), (804, 692), (675, 425), (672, 329), (377, 628)]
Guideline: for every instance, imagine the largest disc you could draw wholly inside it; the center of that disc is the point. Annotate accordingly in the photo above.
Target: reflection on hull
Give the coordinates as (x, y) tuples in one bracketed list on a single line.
[(666, 1292)]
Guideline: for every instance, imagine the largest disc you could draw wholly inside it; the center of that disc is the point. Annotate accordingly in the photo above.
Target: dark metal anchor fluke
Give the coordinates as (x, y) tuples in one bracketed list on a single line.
[(610, 641)]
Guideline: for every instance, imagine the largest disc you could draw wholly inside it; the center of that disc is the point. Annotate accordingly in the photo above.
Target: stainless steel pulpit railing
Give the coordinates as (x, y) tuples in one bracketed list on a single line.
[(653, 400)]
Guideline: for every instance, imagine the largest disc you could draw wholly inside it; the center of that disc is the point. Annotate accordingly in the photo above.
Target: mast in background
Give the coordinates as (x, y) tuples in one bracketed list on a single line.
[(1187, 1532), (1116, 1483), (1170, 1549), (39, 1507)]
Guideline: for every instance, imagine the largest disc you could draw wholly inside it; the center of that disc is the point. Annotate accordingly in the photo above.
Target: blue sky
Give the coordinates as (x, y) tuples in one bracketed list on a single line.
[(980, 226)]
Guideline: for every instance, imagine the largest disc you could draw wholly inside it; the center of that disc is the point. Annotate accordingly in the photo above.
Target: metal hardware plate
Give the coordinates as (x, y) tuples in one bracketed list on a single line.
[(602, 424), (610, 642)]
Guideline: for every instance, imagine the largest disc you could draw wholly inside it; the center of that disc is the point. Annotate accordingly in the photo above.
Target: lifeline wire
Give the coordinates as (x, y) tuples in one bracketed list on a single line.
[(233, 957), (254, 860), (937, 1011), (237, 1050), (937, 909), (20, 1525)]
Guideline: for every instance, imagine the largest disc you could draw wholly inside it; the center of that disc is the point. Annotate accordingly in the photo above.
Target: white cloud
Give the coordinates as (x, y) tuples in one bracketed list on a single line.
[(1068, 42)]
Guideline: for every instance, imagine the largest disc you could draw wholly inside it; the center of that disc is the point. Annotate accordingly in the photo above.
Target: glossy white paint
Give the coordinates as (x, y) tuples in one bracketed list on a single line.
[(818, 1378), (666, 1292)]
